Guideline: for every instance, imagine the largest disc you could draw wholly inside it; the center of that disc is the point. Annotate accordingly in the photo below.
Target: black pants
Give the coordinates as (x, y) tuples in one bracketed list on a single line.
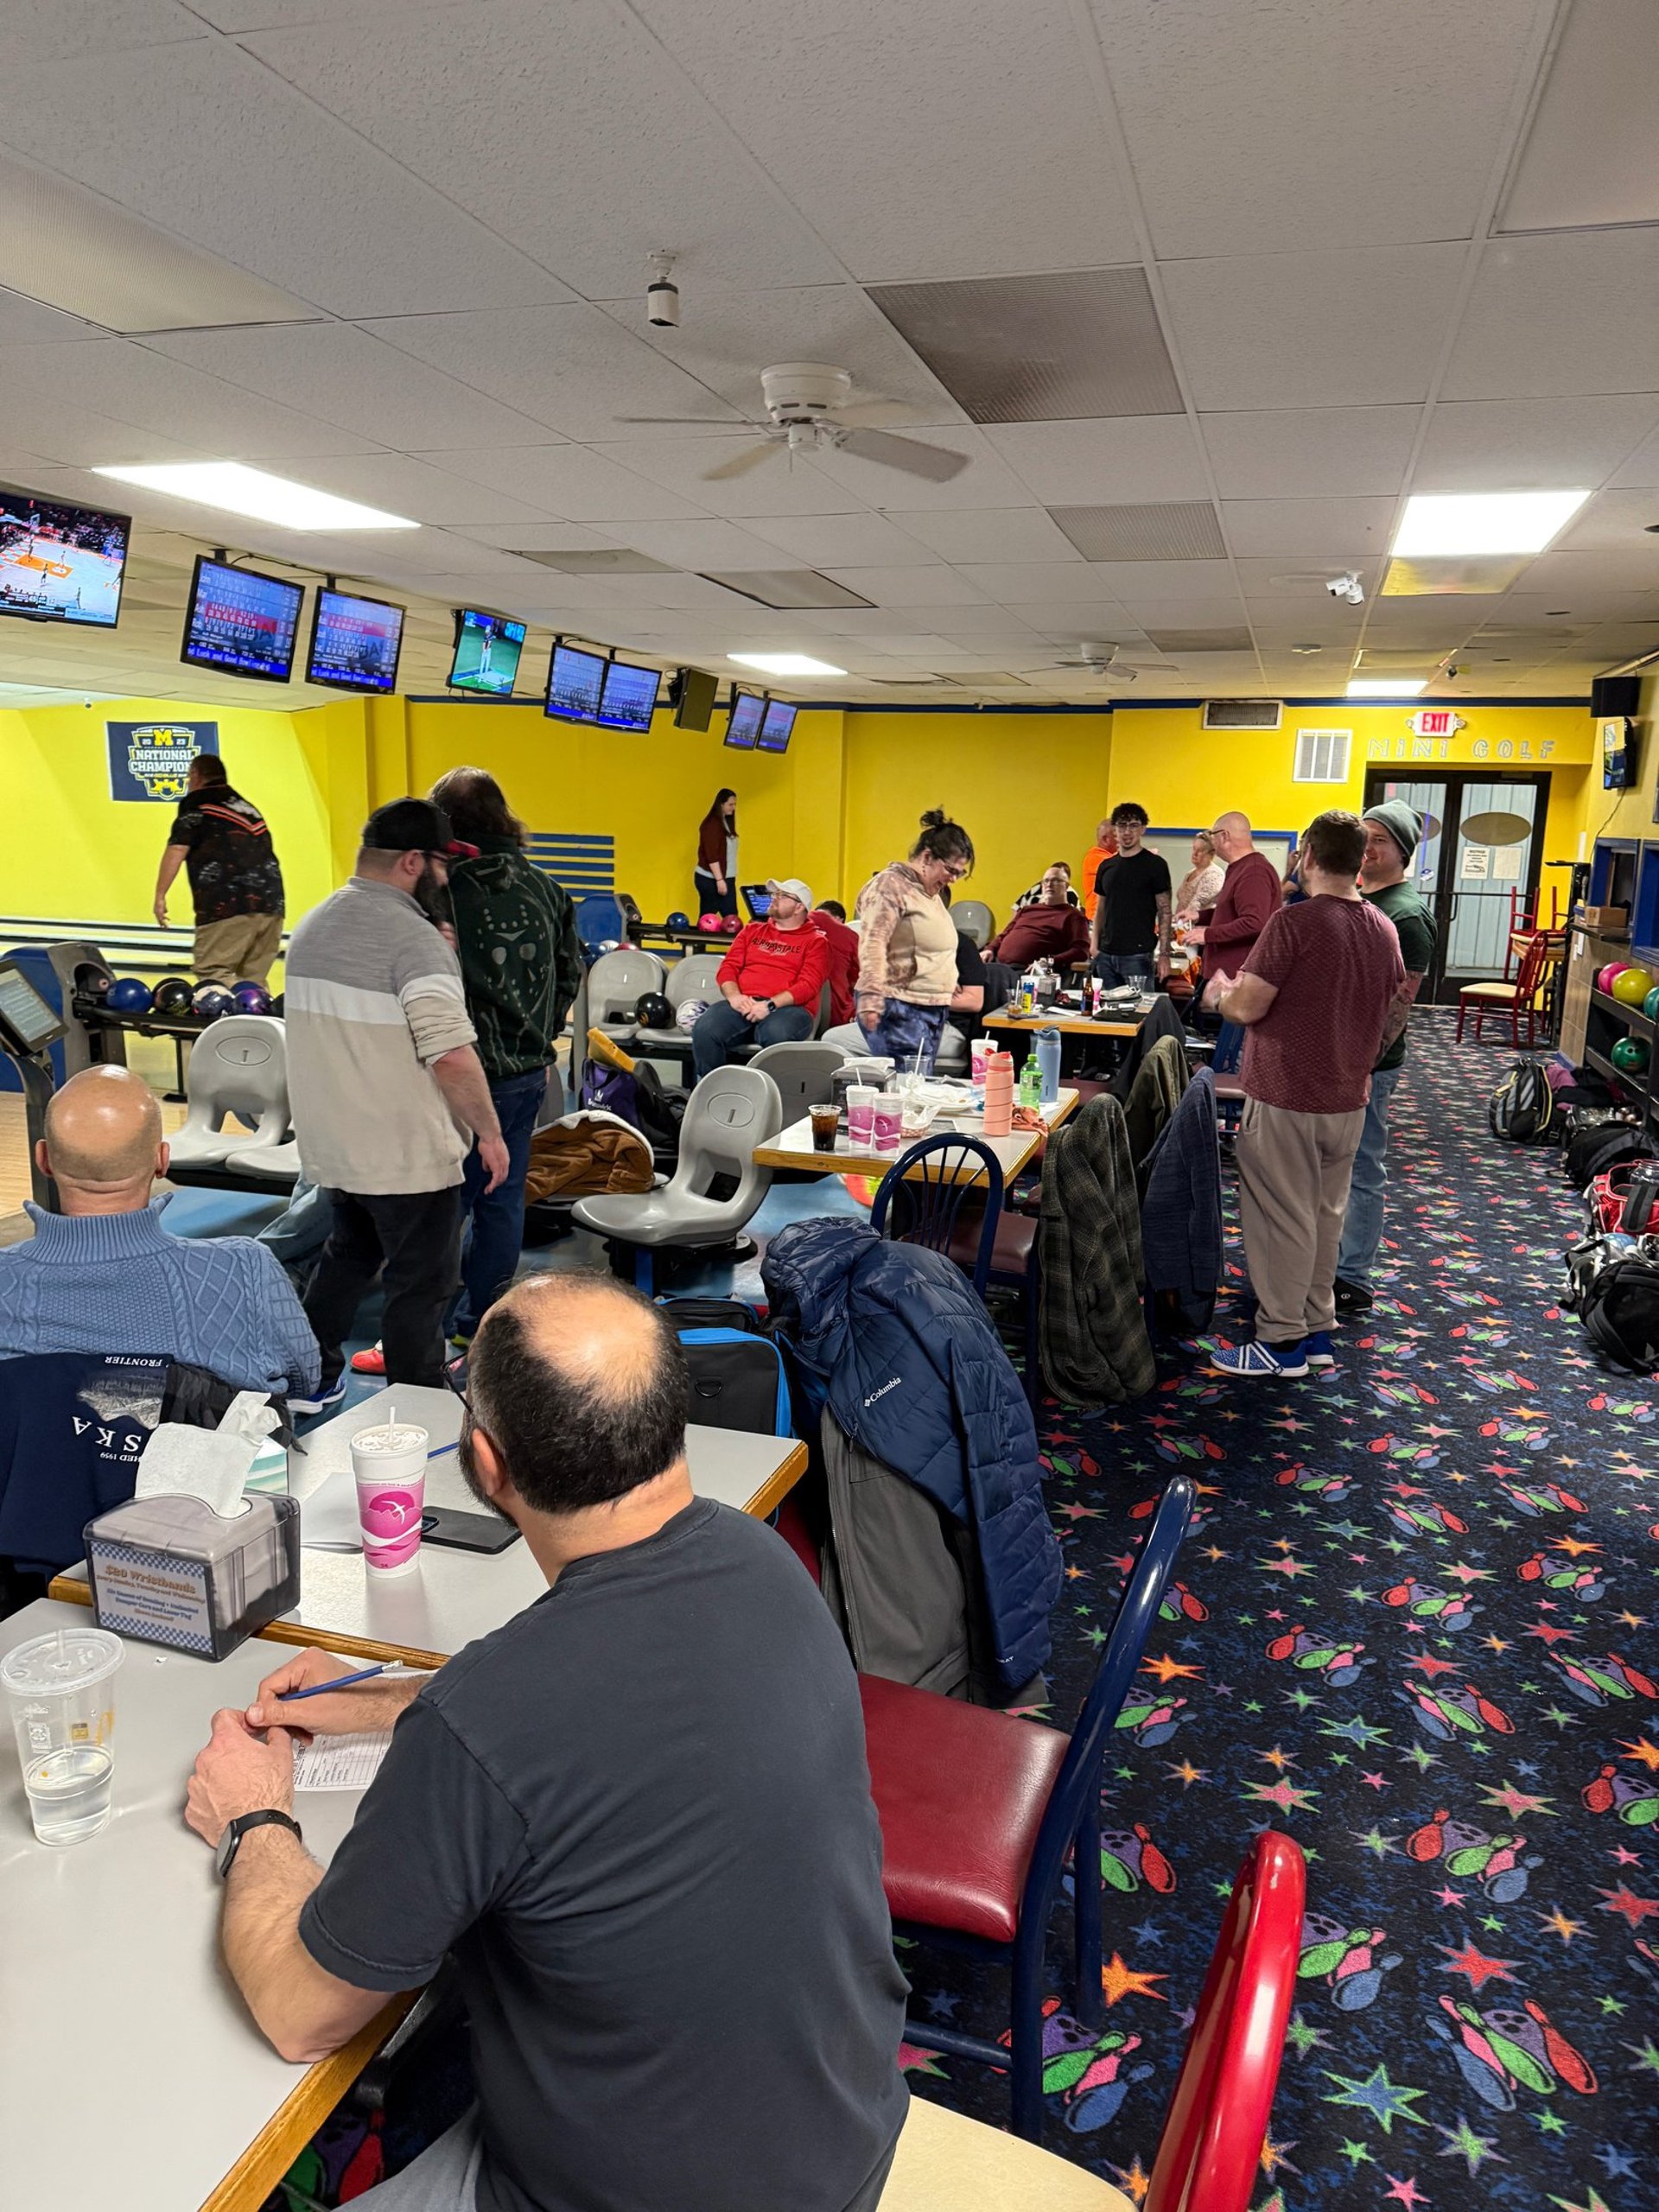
[(413, 1239)]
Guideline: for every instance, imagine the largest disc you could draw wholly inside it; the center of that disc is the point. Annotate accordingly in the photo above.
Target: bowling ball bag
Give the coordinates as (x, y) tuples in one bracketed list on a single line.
[(1522, 1111), (1598, 1138), (1620, 1314), (174, 996)]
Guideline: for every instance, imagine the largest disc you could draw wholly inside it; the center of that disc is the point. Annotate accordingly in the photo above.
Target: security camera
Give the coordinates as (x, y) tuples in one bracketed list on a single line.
[(662, 294), (1349, 588), (1451, 671)]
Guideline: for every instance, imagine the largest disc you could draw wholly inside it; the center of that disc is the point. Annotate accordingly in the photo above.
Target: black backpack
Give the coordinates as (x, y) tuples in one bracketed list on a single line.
[(1590, 1150), (1523, 1107), (1620, 1314)]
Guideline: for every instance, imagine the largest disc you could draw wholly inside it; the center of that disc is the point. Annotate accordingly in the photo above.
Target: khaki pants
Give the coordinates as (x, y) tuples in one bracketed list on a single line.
[(1294, 1171), (239, 951)]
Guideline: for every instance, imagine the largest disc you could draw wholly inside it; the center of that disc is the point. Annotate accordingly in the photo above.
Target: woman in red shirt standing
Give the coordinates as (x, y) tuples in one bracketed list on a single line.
[(714, 878), (770, 981)]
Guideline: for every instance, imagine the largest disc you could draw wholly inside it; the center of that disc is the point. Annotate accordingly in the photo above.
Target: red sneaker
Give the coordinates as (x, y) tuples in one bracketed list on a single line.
[(372, 1362)]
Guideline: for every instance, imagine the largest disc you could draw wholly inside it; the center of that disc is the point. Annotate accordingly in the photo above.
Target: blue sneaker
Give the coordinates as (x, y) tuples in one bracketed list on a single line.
[(1256, 1362), (319, 1402), (1316, 1350)]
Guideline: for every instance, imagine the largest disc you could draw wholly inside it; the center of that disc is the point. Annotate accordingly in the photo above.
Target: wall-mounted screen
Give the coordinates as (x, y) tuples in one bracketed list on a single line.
[(576, 683), (743, 723), (629, 699), (1618, 754), (776, 726), (61, 564), (242, 622), (354, 642), (487, 647)]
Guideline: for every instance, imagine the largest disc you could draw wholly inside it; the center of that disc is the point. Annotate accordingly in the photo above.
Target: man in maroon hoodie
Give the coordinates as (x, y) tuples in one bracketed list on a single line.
[(770, 981), (1249, 898), (1053, 929)]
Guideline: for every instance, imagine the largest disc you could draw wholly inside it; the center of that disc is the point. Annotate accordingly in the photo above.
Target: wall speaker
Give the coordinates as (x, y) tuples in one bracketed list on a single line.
[(1615, 694)]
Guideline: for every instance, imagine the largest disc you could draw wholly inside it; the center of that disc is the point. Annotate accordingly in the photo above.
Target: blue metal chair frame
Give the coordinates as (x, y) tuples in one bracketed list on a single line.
[(926, 1213), (1070, 1824)]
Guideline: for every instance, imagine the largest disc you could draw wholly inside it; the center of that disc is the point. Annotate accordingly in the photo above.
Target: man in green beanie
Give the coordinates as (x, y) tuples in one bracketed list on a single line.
[(1392, 831)]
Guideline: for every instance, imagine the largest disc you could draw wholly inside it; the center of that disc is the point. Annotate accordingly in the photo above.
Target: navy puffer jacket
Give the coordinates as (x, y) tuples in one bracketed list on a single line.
[(894, 1340)]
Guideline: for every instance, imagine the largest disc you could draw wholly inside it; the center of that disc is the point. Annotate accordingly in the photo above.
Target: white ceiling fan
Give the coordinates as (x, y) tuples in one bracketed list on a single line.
[(810, 404), (1097, 660)]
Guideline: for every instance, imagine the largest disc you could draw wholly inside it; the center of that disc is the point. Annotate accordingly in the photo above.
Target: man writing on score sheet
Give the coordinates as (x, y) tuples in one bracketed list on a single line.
[(610, 1811)]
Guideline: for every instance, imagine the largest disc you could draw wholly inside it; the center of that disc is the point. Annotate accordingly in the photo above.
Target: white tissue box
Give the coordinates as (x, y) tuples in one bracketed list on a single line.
[(169, 1570)]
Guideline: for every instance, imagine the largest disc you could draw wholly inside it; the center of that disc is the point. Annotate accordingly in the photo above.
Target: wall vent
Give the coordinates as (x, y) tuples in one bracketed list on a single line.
[(1322, 756), (1244, 714)]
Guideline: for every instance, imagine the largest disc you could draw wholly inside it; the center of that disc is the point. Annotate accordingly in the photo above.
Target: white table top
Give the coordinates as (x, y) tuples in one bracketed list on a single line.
[(111, 1966), (792, 1148)]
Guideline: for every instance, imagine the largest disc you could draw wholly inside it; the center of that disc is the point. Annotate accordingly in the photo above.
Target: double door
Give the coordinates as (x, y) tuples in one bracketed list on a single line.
[(1473, 883)]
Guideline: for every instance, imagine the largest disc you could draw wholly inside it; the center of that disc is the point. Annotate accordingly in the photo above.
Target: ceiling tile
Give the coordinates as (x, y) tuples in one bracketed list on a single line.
[(26, 322), (1172, 579), (1571, 313), (402, 486), (989, 533), (1125, 458), (1307, 529), (936, 586), (1305, 582), (1040, 349), (1588, 159), (1029, 583), (1258, 129), (1236, 640), (844, 541), (703, 546), (200, 138), (350, 377), (909, 154), (784, 485), (1150, 614), (68, 28), (1184, 530), (1520, 445), (1577, 573), (1311, 453), (1312, 329), (1615, 519), (580, 483)]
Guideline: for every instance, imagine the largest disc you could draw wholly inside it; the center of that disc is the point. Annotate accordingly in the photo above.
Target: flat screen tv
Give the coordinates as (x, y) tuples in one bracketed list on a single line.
[(691, 695), (776, 726), (1618, 754), (576, 683), (59, 562), (743, 723), (629, 699), (241, 622), (354, 642), (487, 647)]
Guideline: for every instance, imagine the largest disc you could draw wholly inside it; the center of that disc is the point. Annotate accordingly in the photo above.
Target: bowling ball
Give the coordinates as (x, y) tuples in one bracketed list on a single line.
[(610, 945), (174, 996), (1605, 976), (129, 994), (709, 924), (653, 1010), (211, 999), (1651, 1004), (676, 920), (691, 1014), (1630, 1055), (250, 998), (731, 926), (1632, 986)]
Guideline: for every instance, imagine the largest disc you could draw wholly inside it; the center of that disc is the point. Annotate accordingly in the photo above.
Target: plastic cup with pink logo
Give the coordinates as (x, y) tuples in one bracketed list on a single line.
[(389, 1463)]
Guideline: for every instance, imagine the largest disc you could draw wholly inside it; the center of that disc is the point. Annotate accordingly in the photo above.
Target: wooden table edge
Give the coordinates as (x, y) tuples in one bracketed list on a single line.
[(291, 2126), (778, 1485), (1068, 1025)]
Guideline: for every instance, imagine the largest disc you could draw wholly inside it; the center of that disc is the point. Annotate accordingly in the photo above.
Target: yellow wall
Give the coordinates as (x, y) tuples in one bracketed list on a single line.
[(1628, 814)]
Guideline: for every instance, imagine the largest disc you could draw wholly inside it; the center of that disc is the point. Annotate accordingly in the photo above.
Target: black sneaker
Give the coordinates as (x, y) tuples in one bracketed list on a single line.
[(1352, 1297)]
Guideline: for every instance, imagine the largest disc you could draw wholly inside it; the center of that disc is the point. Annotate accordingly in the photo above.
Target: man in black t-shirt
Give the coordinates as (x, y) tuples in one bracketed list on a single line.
[(637, 1816), (1132, 903), (235, 881)]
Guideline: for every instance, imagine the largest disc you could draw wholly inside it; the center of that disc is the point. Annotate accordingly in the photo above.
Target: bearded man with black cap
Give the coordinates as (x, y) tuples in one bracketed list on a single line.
[(1392, 831), (387, 1093)]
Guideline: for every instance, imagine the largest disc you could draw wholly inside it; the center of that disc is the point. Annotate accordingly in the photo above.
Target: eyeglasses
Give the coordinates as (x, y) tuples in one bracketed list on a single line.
[(457, 1383), (955, 870)]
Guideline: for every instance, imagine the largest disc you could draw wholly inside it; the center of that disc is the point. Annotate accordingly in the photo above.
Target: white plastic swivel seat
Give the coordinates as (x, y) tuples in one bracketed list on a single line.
[(238, 1065)]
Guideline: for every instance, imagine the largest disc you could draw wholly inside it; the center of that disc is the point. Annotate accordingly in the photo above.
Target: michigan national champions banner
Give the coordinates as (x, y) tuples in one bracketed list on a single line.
[(152, 760)]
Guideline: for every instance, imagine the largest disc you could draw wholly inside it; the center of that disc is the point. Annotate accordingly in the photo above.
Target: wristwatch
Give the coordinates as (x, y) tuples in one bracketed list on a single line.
[(231, 1842)]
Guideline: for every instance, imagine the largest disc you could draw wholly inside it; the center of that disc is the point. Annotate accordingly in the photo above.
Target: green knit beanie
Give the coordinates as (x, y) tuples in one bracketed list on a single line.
[(1403, 824)]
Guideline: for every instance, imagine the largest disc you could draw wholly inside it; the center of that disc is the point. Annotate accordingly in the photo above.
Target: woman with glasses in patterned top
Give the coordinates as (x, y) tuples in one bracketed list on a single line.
[(907, 945)]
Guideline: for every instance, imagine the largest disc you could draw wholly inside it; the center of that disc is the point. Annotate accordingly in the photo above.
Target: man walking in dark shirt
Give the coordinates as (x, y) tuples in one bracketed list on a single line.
[(235, 881), (637, 1816), (1131, 931)]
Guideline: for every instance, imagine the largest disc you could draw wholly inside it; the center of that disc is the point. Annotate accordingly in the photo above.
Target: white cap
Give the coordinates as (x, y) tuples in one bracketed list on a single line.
[(795, 887)]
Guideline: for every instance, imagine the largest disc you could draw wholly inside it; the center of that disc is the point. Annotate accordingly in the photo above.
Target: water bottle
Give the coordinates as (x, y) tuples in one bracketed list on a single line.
[(1047, 1042), (1046, 986), (1031, 1082)]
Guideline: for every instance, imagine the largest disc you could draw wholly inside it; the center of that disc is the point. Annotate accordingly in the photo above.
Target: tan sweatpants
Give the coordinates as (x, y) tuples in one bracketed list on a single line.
[(1292, 1192), (238, 950)]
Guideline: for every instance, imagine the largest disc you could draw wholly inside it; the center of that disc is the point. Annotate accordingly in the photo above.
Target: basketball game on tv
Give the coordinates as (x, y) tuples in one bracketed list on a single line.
[(61, 564)]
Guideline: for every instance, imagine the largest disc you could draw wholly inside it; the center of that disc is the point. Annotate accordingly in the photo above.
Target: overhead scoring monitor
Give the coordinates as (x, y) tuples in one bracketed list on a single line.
[(240, 621), (576, 683), (776, 726), (60, 562), (743, 722), (487, 648), (629, 698), (355, 642)]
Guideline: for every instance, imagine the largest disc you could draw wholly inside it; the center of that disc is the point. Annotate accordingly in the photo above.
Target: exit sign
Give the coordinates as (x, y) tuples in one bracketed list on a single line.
[(1436, 722)]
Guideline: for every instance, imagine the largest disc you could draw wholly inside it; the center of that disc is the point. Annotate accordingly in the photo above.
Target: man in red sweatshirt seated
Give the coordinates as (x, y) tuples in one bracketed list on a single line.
[(770, 981), (1052, 930), (831, 921)]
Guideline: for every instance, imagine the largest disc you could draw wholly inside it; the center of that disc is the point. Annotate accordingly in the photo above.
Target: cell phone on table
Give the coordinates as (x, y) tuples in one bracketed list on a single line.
[(467, 1532)]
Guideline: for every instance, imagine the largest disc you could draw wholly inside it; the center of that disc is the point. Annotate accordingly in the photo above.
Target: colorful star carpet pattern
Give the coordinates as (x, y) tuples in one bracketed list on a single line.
[(1414, 1628)]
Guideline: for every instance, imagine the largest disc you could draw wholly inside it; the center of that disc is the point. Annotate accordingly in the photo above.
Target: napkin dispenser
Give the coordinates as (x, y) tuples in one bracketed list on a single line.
[(169, 1570)]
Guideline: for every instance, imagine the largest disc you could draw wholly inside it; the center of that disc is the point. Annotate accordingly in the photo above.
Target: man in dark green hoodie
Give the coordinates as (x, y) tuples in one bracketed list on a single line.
[(520, 962)]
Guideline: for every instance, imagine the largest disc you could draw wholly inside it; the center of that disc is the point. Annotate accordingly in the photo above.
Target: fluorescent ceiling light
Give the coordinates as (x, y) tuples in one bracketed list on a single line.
[(787, 663), (1387, 687), (242, 491), (1443, 524)]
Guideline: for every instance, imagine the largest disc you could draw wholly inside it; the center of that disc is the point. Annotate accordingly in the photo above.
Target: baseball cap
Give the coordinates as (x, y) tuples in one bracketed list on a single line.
[(414, 825), (793, 886)]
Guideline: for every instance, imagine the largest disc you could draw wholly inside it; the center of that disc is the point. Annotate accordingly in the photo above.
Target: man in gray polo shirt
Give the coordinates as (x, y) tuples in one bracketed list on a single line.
[(387, 1092)]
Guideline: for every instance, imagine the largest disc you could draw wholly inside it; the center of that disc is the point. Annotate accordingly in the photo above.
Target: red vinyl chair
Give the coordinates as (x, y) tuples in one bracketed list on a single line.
[(1209, 2155), (979, 1811)]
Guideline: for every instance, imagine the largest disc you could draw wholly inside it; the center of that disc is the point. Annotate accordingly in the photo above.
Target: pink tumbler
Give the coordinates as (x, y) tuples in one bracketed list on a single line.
[(999, 1094)]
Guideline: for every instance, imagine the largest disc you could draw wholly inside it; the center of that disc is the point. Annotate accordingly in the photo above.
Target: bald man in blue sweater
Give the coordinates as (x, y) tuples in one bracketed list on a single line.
[(104, 1276)]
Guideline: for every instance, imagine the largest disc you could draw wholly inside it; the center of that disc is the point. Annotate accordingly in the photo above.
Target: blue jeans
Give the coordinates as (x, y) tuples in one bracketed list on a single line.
[(1362, 1225), (496, 1217), (1124, 968), (722, 1026), (1229, 1049), (905, 1030)]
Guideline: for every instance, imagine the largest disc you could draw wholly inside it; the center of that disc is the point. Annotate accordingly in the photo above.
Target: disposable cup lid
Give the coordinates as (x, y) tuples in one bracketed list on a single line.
[(70, 1659), (390, 1439)]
